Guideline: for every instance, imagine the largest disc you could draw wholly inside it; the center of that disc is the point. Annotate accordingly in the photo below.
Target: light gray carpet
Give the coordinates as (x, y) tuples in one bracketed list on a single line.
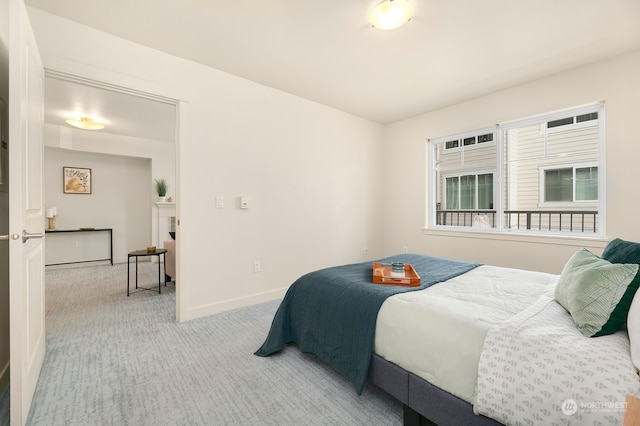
[(113, 360)]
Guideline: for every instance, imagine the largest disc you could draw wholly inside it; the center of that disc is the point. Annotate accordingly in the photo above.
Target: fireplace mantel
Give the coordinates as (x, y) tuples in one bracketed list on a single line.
[(166, 214)]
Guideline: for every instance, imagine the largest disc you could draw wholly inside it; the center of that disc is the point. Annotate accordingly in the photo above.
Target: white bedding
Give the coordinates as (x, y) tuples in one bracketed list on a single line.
[(438, 333), (537, 368)]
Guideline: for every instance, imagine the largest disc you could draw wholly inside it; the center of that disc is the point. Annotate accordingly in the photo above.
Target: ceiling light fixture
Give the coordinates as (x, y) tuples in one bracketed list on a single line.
[(85, 123), (391, 14)]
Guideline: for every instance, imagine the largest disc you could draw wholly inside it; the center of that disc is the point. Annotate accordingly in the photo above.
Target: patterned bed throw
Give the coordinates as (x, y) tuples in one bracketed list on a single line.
[(332, 312), (537, 368)]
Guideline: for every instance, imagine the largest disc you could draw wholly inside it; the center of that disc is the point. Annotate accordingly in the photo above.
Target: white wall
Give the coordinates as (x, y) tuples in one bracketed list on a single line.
[(120, 199), (313, 174), (161, 156), (615, 81)]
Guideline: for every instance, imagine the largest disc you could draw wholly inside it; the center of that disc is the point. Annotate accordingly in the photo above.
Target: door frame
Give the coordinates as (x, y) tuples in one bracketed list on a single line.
[(181, 107)]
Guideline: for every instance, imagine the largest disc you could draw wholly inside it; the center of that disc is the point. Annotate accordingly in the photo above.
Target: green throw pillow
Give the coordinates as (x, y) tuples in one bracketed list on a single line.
[(621, 251), (591, 288)]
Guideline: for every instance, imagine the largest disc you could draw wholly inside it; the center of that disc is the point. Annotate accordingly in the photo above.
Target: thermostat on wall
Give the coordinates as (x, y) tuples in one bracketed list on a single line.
[(244, 202)]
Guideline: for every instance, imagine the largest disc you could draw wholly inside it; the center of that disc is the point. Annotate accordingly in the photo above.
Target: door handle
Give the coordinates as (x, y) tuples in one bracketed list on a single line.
[(6, 237), (26, 235)]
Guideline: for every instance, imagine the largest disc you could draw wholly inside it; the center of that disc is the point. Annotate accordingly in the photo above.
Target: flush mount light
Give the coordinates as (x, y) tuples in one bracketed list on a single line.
[(85, 123), (391, 14)]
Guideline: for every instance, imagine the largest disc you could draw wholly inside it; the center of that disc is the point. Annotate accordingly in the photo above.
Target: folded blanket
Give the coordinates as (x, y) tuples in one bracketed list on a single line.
[(332, 312)]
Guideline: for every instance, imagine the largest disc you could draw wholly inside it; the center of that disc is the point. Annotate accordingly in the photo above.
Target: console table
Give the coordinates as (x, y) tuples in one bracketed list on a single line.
[(109, 230)]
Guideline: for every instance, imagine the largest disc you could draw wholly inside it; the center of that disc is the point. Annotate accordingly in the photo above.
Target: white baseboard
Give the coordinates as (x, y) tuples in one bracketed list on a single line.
[(227, 305)]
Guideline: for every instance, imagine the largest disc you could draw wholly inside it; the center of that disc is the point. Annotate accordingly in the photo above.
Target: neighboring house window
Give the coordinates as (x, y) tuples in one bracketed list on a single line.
[(543, 175), (570, 184), (471, 191)]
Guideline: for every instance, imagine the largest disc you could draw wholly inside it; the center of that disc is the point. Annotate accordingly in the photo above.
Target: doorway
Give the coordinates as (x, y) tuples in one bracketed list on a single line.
[(139, 127)]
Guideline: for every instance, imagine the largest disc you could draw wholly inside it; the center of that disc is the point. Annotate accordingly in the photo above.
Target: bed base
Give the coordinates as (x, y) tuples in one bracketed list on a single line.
[(423, 403)]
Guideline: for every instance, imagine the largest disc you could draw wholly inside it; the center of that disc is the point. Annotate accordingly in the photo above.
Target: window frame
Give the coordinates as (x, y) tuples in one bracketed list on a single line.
[(498, 174)]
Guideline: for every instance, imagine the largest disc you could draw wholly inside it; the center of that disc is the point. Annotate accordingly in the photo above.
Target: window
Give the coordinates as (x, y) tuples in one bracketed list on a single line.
[(570, 184), (539, 175), (470, 140), (467, 192), (572, 120), (586, 184), (560, 122), (558, 185), (452, 144)]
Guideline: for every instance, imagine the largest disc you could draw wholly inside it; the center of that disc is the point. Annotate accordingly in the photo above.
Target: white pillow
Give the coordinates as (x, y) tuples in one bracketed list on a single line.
[(633, 328)]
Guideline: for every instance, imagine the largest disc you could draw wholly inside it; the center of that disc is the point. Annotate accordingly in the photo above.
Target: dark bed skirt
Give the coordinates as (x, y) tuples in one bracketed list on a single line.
[(422, 398)]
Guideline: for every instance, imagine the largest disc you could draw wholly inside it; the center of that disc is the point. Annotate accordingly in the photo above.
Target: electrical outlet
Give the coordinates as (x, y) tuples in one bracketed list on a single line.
[(257, 267), (74, 244), (404, 249)]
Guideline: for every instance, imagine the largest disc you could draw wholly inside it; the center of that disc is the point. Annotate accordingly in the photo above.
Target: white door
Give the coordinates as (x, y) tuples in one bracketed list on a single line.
[(26, 219)]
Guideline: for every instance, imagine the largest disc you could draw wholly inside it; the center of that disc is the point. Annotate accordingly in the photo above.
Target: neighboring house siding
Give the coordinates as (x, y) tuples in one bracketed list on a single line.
[(480, 158), (529, 154)]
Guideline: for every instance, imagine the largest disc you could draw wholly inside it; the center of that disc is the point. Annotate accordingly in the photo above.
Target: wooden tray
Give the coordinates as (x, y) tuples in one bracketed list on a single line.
[(382, 275)]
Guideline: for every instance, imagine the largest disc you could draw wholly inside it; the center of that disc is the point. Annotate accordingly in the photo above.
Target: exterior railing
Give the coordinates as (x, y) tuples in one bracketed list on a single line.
[(463, 217), (540, 220)]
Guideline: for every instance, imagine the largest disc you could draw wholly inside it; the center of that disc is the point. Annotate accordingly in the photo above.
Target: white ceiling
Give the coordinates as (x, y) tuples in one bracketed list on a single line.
[(325, 51), (121, 113)]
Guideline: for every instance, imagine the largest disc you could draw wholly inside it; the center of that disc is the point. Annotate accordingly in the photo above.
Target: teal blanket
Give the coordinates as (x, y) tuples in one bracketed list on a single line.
[(332, 312)]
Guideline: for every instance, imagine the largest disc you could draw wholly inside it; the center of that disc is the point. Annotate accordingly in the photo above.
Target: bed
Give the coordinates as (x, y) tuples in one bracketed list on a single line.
[(478, 344)]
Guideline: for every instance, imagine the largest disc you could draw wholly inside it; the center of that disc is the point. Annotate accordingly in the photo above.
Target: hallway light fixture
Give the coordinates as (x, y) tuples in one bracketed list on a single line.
[(85, 123), (391, 14)]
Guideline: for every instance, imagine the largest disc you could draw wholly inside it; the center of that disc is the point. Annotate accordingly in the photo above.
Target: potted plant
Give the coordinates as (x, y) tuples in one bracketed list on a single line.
[(161, 189)]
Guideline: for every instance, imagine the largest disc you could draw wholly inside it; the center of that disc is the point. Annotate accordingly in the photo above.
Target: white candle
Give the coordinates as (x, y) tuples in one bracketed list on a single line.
[(49, 213), (55, 212)]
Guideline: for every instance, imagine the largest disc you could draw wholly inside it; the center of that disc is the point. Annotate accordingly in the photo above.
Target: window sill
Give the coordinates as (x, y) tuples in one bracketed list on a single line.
[(568, 240), (576, 205)]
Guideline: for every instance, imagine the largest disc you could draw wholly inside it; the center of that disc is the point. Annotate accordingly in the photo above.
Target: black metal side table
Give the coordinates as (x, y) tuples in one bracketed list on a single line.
[(141, 253)]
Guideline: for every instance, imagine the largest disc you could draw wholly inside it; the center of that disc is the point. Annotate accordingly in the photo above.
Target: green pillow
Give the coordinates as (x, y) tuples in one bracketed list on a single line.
[(621, 251), (591, 290)]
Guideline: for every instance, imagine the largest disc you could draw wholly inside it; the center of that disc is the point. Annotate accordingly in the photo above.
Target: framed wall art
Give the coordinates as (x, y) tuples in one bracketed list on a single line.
[(76, 180)]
